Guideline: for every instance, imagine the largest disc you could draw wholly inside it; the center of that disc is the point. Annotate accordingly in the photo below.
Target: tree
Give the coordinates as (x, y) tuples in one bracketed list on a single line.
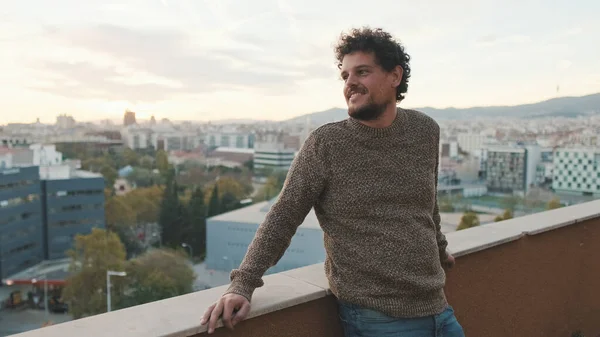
[(162, 161), (172, 215), (91, 256), (118, 213), (214, 204), (554, 204), (468, 220), (508, 214), (511, 202), (130, 157), (272, 187), (196, 231), (157, 275), (142, 177)]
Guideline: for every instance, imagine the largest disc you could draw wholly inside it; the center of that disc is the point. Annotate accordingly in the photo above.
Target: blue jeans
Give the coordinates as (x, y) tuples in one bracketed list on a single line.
[(362, 322)]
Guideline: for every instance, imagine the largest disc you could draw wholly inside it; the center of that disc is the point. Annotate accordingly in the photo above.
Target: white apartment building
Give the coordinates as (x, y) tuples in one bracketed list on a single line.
[(160, 138), (470, 142), (232, 139), (577, 170), (270, 151)]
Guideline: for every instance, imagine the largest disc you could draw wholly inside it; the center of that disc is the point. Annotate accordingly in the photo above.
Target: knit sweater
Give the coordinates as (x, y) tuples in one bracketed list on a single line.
[(374, 191)]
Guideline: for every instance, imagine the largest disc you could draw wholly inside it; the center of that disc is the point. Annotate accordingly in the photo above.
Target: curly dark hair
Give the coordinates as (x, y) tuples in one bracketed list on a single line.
[(388, 52)]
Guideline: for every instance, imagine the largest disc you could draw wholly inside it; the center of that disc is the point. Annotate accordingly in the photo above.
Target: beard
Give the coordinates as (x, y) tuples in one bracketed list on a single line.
[(368, 112)]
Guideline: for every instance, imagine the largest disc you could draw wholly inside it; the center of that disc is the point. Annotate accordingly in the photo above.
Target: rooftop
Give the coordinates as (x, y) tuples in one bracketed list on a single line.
[(530, 276)]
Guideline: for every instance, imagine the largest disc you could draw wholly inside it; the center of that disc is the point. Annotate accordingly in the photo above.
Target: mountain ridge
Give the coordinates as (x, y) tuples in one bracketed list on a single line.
[(567, 106)]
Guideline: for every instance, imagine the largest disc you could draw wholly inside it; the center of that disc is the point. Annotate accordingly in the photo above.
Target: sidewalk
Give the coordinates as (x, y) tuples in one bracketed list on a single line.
[(17, 321)]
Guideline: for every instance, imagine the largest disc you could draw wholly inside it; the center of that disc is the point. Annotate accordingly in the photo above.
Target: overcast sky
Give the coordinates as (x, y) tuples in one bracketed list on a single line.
[(273, 59)]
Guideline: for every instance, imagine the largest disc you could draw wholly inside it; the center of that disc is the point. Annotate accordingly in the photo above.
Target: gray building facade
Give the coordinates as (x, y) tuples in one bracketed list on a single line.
[(71, 206), (21, 220), (39, 218)]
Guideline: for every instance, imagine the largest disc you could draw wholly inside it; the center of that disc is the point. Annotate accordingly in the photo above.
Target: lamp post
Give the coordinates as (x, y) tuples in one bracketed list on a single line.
[(110, 273), (185, 245), (45, 278)]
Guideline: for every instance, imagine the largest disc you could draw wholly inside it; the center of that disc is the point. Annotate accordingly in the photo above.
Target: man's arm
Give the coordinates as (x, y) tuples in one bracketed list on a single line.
[(303, 185), (440, 237)]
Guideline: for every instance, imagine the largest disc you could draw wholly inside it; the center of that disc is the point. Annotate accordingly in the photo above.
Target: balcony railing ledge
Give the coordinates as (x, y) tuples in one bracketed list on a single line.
[(180, 316), (483, 237)]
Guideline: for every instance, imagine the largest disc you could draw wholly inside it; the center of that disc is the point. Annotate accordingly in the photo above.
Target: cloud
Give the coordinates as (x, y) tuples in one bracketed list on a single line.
[(492, 40), (173, 56)]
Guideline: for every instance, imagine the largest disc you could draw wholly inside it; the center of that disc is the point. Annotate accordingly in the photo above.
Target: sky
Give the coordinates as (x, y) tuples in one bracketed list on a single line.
[(273, 59)]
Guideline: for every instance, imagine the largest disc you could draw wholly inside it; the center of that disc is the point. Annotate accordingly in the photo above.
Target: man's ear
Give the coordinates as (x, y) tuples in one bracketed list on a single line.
[(397, 74)]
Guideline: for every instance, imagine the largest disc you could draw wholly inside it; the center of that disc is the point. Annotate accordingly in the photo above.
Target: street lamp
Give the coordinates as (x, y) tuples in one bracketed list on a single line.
[(45, 278), (110, 273), (185, 245)]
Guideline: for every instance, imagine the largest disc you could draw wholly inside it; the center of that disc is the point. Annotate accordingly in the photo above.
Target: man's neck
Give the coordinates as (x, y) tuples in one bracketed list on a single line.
[(386, 119)]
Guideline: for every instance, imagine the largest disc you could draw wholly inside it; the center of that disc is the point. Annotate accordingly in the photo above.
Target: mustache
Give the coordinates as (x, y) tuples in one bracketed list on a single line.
[(356, 89)]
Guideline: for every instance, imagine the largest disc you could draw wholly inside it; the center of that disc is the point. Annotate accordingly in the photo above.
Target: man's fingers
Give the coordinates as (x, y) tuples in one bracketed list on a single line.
[(207, 314), (227, 312), (214, 317), (242, 313)]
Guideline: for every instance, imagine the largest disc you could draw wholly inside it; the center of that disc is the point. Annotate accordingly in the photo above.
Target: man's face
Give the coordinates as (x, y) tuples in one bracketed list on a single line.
[(368, 89)]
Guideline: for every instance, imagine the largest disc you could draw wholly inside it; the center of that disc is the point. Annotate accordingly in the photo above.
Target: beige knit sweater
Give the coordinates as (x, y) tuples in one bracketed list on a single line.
[(374, 193)]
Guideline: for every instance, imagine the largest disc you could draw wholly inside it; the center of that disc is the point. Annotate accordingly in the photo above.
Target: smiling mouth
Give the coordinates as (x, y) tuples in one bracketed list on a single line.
[(354, 95)]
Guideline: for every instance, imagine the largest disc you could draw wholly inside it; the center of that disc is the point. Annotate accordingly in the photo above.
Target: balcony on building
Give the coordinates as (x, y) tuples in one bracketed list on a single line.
[(536, 275)]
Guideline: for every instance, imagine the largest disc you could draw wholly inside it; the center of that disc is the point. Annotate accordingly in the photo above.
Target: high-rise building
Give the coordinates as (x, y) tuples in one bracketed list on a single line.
[(21, 220), (129, 118), (512, 169), (577, 170), (42, 208)]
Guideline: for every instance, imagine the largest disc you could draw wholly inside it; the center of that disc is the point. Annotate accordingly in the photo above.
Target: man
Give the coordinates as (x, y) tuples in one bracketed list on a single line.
[(372, 180)]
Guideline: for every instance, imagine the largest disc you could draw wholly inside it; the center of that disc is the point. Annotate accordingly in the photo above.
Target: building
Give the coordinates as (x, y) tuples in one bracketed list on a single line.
[(545, 168), (577, 170), (240, 140), (73, 203), (65, 121), (470, 143), (228, 236), (129, 118), (42, 208), (270, 152), (21, 220), (512, 169)]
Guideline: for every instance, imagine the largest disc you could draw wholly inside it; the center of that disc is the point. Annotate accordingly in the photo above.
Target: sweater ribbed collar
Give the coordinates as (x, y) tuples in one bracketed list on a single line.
[(394, 129)]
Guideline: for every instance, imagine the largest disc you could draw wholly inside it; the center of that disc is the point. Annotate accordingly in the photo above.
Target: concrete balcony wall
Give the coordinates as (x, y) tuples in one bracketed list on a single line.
[(537, 275)]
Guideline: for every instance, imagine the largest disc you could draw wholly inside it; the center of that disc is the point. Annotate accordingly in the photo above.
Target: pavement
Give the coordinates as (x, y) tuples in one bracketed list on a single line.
[(13, 321)]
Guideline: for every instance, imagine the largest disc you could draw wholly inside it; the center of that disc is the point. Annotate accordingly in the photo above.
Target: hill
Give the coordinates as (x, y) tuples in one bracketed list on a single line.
[(556, 107)]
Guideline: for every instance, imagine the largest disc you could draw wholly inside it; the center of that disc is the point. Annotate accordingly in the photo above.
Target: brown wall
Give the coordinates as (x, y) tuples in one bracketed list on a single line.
[(312, 319), (541, 285)]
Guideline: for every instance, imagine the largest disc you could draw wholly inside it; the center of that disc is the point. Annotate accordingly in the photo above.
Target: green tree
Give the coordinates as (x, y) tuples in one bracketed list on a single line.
[(196, 230), (508, 214), (157, 275), (142, 177), (214, 205), (468, 220), (91, 256), (130, 157), (172, 216), (554, 204), (162, 161), (511, 202), (272, 187)]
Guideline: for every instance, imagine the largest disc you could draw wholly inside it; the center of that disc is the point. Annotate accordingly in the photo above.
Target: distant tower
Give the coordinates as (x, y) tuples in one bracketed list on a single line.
[(152, 120), (129, 118)]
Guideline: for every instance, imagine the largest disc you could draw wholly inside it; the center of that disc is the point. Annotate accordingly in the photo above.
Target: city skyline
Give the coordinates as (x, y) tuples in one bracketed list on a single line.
[(213, 60)]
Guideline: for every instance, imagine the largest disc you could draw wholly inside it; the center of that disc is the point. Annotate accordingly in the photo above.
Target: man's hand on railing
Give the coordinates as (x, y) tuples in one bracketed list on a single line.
[(231, 308)]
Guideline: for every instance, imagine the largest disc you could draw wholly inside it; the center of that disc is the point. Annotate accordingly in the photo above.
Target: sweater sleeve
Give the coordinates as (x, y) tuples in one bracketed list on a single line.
[(440, 237), (303, 185)]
